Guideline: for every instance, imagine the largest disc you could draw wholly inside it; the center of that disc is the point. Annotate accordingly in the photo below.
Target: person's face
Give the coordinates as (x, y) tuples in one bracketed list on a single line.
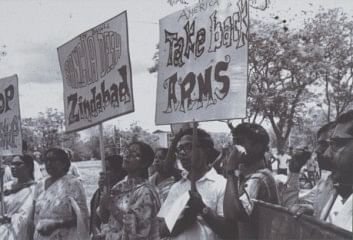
[(18, 167), (159, 160), (184, 151), (321, 146), (55, 167), (253, 150), (133, 159), (340, 152), (115, 173)]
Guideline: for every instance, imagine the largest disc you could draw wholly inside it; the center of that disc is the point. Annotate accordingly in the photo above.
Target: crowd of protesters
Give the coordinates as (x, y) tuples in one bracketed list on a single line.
[(213, 192)]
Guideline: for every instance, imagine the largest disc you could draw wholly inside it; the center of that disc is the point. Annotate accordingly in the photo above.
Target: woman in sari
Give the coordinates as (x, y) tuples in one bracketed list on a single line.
[(18, 200), (162, 178), (60, 210), (131, 208)]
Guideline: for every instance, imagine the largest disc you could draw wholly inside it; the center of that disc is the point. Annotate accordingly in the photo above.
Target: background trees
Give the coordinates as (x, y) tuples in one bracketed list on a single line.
[(47, 130)]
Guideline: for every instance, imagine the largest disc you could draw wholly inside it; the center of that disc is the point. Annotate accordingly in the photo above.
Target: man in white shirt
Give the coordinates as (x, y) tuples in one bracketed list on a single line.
[(331, 198), (203, 215), (340, 152)]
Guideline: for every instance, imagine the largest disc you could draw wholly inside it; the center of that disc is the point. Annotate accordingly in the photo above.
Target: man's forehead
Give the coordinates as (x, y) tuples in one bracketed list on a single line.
[(342, 130), (185, 139)]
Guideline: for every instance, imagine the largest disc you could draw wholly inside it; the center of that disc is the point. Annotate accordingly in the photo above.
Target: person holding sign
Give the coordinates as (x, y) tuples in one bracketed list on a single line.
[(16, 221), (130, 210), (247, 177), (202, 215), (60, 203)]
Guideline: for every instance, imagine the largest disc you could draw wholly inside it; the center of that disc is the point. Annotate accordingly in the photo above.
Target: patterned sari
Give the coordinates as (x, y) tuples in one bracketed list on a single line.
[(63, 200), (139, 198), (18, 203)]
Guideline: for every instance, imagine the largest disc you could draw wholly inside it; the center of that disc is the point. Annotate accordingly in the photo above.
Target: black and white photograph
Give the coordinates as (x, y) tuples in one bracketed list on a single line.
[(176, 119)]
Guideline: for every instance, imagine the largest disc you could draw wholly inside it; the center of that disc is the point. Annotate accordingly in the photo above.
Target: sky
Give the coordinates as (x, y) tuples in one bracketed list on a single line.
[(31, 31)]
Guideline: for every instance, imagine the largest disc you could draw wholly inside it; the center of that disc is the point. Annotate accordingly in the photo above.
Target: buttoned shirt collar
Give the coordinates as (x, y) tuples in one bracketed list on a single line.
[(210, 175)]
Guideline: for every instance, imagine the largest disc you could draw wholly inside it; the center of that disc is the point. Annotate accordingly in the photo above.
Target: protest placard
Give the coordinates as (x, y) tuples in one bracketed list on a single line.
[(96, 73), (10, 119), (203, 56)]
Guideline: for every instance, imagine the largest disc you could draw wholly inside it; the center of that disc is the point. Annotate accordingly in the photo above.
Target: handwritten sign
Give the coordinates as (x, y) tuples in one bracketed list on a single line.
[(10, 119), (96, 72), (203, 63)]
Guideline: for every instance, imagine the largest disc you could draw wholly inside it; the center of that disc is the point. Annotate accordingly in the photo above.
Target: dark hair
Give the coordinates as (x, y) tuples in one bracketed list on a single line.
[(28, 161), (60, 155), (345, 118), (325, 128), (204, 138), (205, 141), (163, 150), (147, 155), (254, 132)]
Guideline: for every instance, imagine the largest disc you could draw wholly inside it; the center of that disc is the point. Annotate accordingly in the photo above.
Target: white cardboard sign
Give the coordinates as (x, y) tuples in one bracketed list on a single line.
[(203, 57), (10, 119), (96, 73)]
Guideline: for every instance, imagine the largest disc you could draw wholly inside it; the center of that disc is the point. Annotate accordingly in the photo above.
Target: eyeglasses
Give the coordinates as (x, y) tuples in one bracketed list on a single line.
[(184, 147), (337, 143)]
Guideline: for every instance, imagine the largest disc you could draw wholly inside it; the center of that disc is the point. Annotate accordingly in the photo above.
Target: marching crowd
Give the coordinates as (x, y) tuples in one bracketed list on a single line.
[(198, 193)]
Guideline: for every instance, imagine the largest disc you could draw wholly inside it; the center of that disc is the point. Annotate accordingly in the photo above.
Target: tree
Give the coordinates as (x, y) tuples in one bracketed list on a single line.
[(137, 133), (333, 29), (46, 131), (282, 66)]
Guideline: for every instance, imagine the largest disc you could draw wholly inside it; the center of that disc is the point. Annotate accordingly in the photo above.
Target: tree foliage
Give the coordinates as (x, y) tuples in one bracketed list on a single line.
[(332, 32), (46, 131), (282, 65)]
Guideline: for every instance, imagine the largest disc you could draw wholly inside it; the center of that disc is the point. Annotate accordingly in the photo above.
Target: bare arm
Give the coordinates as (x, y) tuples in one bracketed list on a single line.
[(232, 203)]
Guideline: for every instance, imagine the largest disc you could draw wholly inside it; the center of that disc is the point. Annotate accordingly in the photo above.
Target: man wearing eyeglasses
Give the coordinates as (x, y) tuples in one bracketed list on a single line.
[(334, 152), (202, 218), (340, 151)]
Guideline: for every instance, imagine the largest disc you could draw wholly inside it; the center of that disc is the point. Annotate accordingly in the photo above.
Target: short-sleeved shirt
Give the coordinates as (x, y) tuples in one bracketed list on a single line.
[(260, 185), (211, 188)]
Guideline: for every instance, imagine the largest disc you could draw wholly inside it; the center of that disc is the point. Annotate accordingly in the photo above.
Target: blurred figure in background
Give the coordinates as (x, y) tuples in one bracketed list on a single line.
[(162, 178)]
